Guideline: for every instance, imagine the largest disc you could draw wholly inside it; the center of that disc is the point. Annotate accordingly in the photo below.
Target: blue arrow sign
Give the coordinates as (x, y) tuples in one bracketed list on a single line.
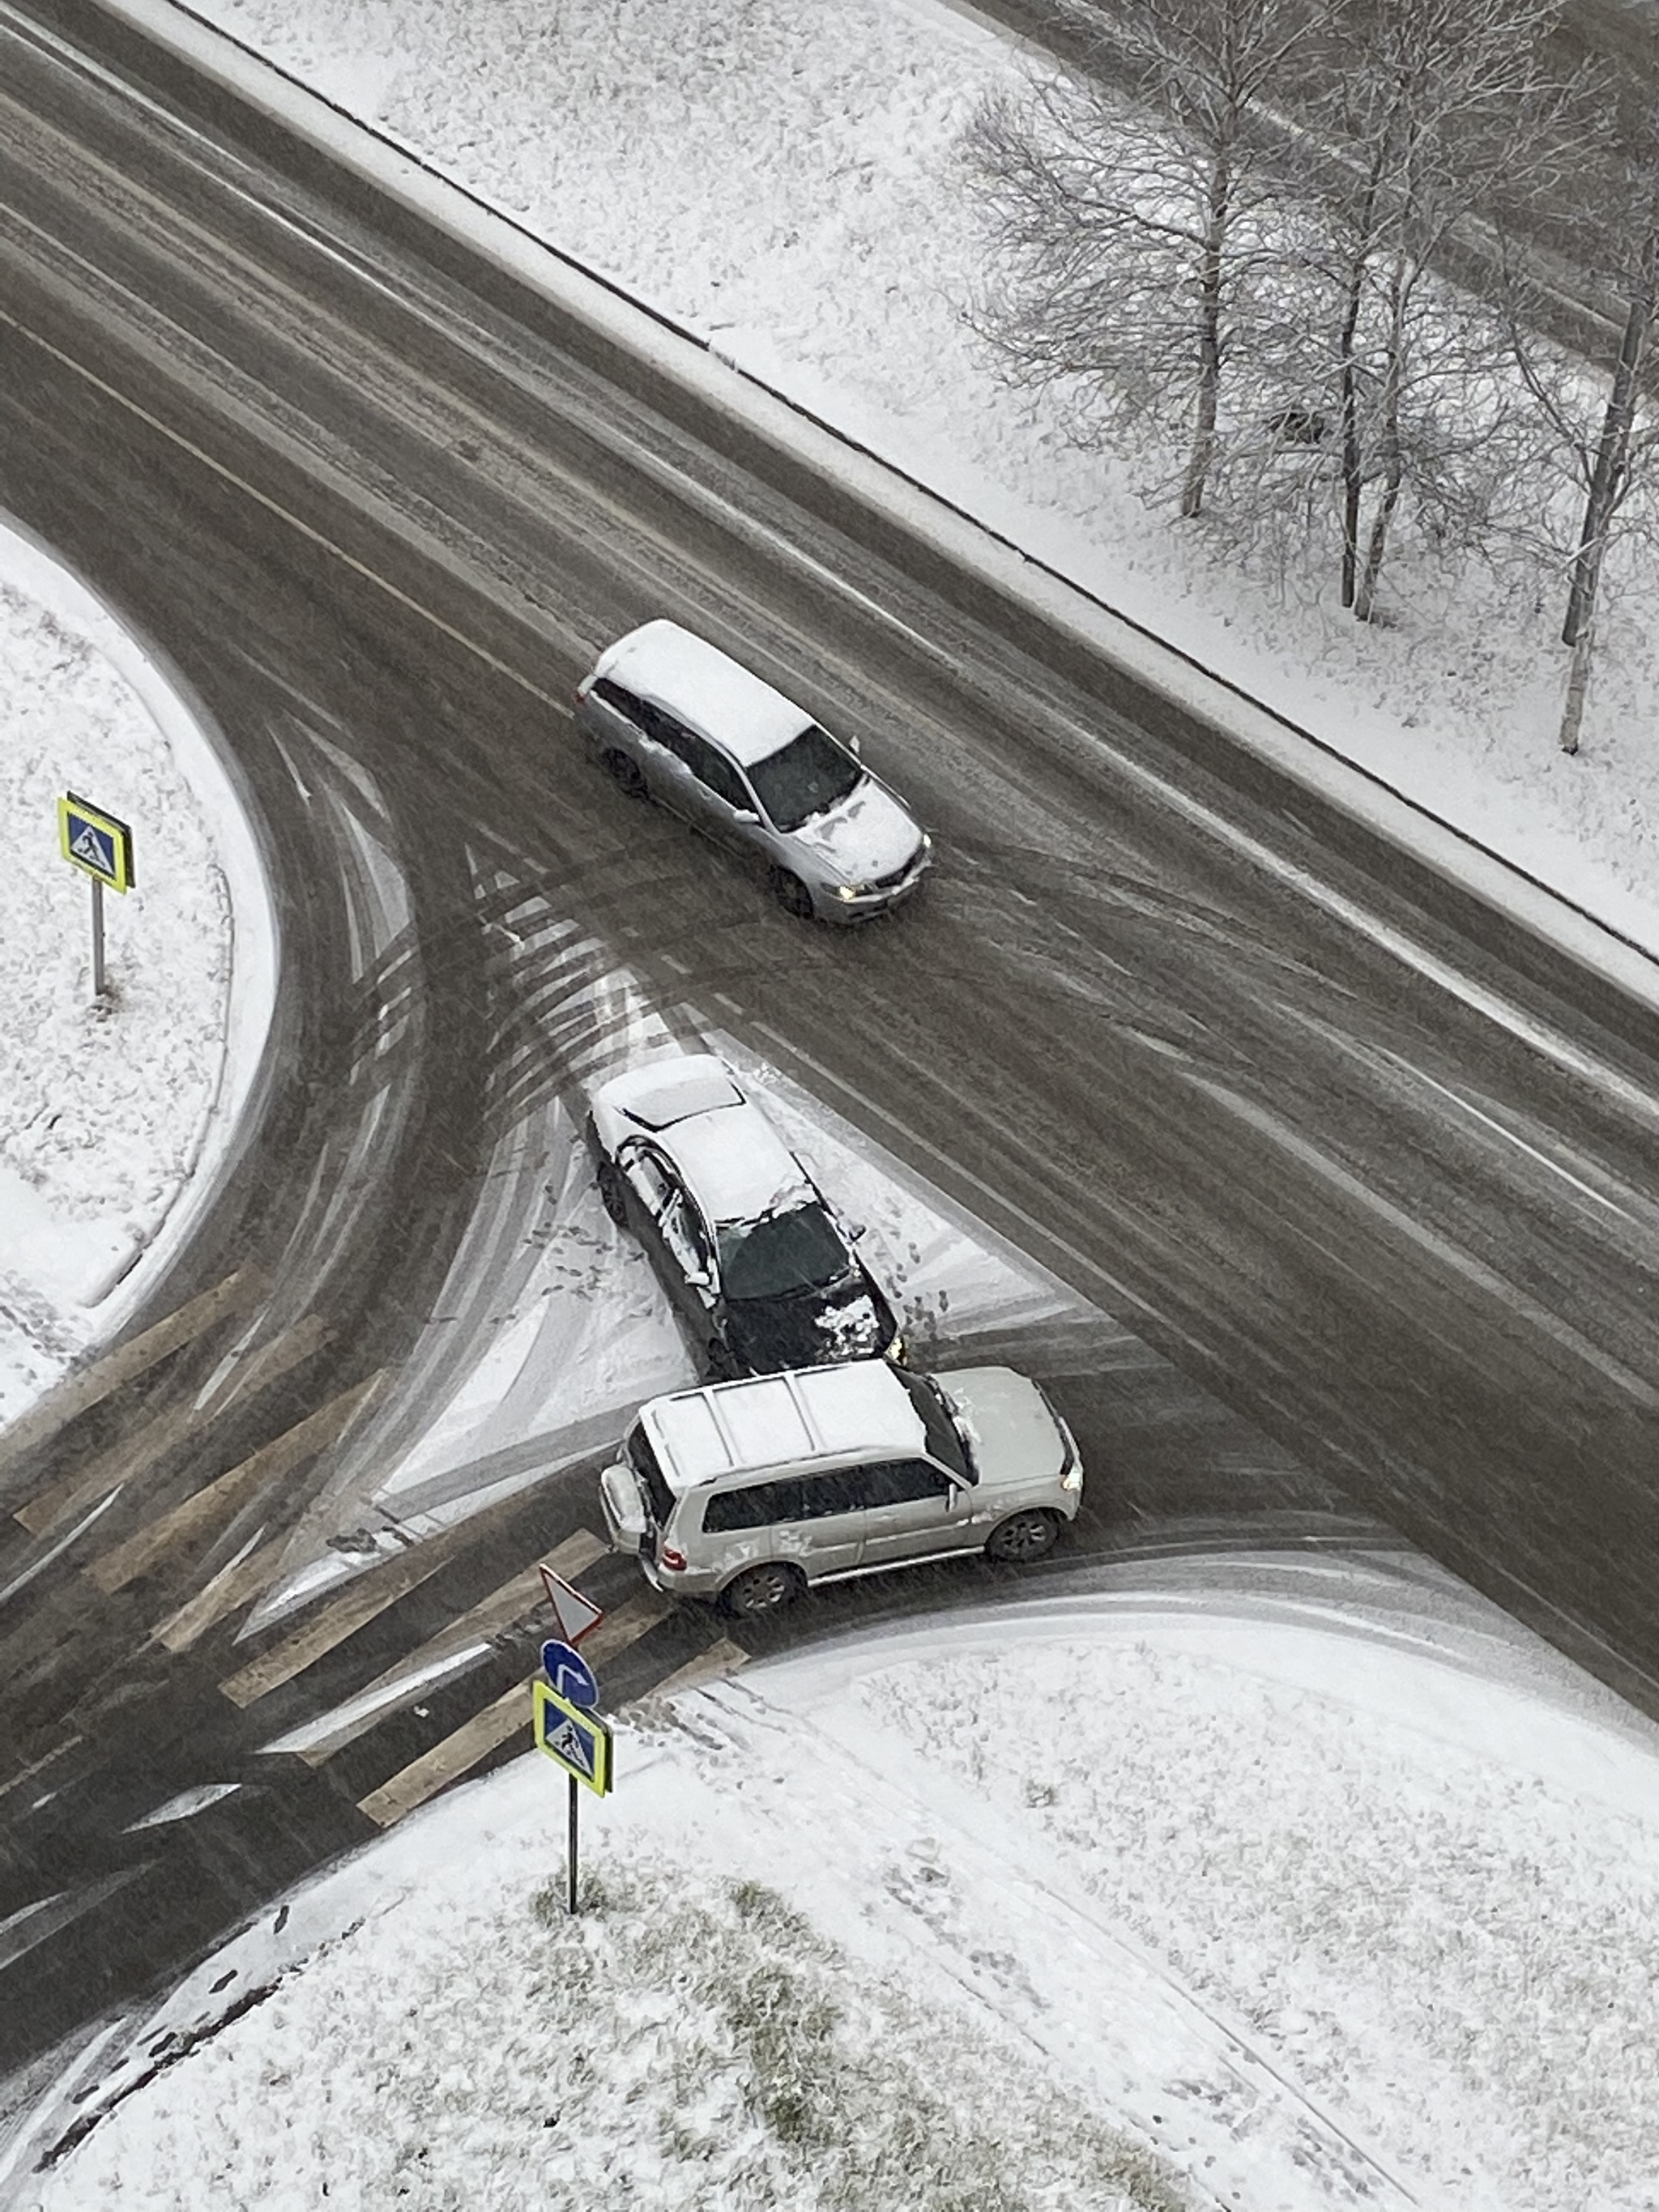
[(571, 1678)]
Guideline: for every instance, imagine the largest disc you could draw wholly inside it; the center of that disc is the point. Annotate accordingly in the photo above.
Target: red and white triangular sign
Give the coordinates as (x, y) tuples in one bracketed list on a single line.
[(574, 1614)]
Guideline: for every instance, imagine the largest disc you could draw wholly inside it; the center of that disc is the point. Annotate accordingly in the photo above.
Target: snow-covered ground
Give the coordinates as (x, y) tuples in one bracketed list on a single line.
[(107, 1111), (1282, 1885)]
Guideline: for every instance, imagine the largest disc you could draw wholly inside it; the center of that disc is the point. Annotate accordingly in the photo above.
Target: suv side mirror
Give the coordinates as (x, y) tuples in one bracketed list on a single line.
[(855, 746)]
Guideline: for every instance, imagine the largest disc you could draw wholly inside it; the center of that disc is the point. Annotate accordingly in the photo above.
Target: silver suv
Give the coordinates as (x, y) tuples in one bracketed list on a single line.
[(675, 719), (745, 1493)]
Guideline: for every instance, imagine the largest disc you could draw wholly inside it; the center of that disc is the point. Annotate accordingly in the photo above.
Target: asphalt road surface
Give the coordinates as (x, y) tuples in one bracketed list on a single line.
[(1364, 1167)]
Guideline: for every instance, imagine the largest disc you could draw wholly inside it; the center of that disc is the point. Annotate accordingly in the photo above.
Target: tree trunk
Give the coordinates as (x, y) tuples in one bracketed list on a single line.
[(1606, 478), (1202, 455), (1393, 459), (1572, 711), (1352, 460)]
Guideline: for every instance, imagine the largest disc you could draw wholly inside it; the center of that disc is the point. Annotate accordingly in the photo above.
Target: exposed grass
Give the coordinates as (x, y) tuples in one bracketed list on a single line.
[(790, 2079)]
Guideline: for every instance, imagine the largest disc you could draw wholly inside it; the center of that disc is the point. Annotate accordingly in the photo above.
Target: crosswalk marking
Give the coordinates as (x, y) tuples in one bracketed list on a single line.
[(461, 1750), (625, 1625), (241, 1373), (315, 1433), (236, 1582), (713, 1665), (91, 1385), (135, 1456), (359, 1604), (122, 1462), (447, 1761), (511, 1603)]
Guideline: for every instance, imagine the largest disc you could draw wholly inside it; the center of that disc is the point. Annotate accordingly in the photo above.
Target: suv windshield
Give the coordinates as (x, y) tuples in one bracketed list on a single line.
[(810, 775), (640, 1456), (945, 1439), (800, 1250)]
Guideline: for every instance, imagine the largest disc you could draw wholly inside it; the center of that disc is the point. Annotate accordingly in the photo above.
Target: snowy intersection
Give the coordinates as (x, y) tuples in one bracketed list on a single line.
[(1285, 1885)]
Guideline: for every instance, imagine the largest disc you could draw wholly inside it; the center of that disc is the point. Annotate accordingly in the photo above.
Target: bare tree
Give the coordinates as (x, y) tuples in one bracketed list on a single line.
[(1130, 226), (1606, 439), (1436, 111)]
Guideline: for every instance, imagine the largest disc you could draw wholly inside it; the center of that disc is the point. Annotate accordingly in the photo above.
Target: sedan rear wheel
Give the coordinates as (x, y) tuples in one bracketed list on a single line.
[(763, 1590), (627, 773), (1022, 1538), (611, 1195)]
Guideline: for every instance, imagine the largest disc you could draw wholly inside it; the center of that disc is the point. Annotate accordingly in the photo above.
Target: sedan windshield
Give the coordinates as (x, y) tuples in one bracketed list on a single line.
[(809, 776), (799, 1250), (946, 1441)]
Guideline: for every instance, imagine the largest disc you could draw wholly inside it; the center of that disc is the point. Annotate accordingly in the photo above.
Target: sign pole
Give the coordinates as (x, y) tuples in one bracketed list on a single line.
[(570, 1847), (97, 937)]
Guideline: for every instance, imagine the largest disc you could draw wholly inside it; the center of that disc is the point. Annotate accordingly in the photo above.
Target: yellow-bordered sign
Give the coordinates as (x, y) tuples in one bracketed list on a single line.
[(578, 1740), (95, 842)]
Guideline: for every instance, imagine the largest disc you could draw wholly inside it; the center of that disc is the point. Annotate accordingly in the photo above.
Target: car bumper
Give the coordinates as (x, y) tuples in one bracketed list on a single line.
[(849, 911)]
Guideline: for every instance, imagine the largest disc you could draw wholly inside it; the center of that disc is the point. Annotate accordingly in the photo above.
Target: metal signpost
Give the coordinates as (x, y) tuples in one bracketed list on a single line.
[(568, 1729), (102, 848)]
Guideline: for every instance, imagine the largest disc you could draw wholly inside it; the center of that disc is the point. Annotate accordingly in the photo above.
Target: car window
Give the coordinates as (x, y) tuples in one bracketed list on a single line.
[(622, 702), (902, 1482), (649, 1177), (682, 1232), (711, 767), (836, 1491), (756, 1506), (805, 777), (668, 733), (799, 1250)]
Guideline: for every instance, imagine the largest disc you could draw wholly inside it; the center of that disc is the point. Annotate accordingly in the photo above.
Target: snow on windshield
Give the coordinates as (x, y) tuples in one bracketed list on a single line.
[(808, 776), (794, 1251)]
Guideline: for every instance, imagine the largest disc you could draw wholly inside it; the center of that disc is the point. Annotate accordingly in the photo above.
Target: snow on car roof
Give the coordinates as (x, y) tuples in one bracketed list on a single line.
[(736, 1165), (673, 669), (664, 1091), (807, 1413)]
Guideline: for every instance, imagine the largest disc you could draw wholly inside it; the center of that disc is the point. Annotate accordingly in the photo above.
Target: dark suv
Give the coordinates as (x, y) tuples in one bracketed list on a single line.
[(759, 1264)]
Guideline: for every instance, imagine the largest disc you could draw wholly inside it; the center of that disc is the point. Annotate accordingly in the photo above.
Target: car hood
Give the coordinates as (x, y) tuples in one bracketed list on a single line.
[(1015, 1439), (811, 1329), (868, 835)]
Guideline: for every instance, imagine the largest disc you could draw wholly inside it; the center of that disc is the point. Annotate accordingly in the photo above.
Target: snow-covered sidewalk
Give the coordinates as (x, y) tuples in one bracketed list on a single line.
[(109, 1113), (1278, 1884)]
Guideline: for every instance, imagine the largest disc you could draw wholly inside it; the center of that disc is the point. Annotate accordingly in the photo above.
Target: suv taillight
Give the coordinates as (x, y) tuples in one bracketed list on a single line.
[(674, 1561)]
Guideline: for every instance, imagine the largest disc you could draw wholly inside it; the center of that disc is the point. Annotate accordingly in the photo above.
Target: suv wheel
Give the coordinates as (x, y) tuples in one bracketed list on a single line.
[(1022, 1537), (611, 1195), (626, 773), (762, 1590), (791, 894)]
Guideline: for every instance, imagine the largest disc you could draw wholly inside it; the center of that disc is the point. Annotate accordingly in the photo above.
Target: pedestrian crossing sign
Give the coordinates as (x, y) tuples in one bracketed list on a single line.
[(580, 1741), (95, 842)]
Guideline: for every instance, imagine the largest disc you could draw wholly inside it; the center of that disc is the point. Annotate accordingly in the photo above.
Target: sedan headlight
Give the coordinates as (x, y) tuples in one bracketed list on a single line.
[(850, 891)]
